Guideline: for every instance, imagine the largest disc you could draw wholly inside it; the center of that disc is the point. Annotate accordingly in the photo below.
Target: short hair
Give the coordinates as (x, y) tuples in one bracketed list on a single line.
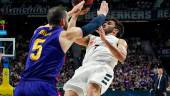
[(119, 26), (55, 14)]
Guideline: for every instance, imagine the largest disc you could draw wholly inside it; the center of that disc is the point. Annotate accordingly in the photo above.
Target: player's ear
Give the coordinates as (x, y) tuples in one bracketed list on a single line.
[(116, 31), (62, 22)]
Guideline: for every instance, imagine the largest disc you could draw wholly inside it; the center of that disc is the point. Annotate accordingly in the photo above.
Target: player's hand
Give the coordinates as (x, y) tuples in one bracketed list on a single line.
[(81, 12), (104, 9), (101, 33), (84, 11), (76, 9)]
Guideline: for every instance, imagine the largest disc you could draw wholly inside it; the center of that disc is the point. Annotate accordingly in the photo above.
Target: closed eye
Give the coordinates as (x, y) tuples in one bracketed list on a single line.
[(109, 23)]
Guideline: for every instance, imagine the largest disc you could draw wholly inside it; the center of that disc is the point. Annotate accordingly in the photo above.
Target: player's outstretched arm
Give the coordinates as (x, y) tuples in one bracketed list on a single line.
[(76, 8), (75, 36), (72, 34), (72, 22), (98, 21), (83, 41), (75, 12)]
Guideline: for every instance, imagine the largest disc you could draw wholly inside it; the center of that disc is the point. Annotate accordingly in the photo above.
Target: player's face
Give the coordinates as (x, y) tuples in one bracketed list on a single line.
[(109, 26)]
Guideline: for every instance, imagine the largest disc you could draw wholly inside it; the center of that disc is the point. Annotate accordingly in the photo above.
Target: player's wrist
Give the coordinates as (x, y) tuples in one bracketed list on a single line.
[(104, 39), (75, 16), (70, 13), (101, 14)]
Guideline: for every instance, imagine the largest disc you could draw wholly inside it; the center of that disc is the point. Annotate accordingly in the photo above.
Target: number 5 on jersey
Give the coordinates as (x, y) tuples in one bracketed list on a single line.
[(38, 48)]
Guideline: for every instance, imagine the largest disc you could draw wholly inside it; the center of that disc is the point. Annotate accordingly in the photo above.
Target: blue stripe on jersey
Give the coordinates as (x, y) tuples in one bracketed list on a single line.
[(46, 57)]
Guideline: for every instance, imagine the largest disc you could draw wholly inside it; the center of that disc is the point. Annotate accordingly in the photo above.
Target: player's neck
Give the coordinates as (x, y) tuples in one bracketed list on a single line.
[(53, 26), (113, 34), (50, 26)]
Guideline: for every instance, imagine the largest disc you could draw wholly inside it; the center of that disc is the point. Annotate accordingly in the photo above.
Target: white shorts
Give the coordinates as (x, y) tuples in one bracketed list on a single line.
[(99, 74)]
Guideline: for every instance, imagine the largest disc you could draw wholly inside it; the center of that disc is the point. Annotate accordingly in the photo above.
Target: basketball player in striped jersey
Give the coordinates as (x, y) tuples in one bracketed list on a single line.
[(102, 54)]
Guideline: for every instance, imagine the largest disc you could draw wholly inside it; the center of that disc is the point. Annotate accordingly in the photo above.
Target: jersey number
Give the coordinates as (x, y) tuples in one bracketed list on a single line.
[(37, 47)]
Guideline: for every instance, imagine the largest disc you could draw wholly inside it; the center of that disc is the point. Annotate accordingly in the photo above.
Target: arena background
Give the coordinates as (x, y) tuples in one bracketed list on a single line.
[(147, 33)]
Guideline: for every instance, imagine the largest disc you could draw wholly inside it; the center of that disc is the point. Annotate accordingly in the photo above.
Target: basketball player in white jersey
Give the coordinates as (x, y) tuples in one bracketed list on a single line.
[(102, 54)]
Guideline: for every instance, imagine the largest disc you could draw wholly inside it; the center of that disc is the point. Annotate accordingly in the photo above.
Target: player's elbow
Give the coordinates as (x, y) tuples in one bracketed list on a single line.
[(122, 58), (74, 33)]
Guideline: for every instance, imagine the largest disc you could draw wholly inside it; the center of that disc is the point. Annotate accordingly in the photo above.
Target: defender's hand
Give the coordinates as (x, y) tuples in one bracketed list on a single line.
[(76, 8)]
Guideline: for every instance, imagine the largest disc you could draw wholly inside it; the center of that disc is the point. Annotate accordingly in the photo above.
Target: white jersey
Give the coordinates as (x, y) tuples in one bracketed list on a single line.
[(97, 67), (99, 53)]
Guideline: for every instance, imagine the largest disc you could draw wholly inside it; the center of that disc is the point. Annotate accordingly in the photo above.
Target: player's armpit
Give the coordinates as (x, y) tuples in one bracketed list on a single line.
[(122, 46), (83, 41), (72, 34)]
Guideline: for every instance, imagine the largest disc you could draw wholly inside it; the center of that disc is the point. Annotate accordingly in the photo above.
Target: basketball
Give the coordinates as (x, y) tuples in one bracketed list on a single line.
[(88, 3)]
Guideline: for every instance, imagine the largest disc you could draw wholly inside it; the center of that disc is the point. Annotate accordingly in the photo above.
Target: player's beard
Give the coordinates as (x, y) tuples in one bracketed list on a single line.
[(108, 30)]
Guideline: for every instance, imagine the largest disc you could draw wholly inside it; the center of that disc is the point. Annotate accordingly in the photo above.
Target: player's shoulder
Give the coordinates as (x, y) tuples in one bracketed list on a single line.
[(91, 36), (41, 28), (122, 41), (47, 25)]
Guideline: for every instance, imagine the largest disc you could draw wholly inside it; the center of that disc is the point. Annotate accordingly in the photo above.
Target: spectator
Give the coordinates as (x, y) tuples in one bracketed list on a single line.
[(160, 82)]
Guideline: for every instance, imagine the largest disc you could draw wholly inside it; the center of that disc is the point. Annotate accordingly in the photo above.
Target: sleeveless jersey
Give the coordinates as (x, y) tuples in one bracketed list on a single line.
[(46, 57), (98, 53)]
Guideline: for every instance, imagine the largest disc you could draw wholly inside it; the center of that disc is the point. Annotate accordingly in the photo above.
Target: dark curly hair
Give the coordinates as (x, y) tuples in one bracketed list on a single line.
[(119, 26)]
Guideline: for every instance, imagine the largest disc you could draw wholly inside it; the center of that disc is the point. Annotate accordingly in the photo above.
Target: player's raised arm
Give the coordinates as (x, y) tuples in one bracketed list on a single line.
[(83, 41), (76, 8), (73, 20), (75, 33), (74, 13)]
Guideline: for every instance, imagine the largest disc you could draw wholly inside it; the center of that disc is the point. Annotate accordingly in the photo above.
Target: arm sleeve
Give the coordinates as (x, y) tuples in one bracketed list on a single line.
[(93, 25)]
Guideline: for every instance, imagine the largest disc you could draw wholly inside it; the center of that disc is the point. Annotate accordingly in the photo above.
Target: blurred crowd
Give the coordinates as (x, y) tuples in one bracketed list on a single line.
[(138, 70)]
